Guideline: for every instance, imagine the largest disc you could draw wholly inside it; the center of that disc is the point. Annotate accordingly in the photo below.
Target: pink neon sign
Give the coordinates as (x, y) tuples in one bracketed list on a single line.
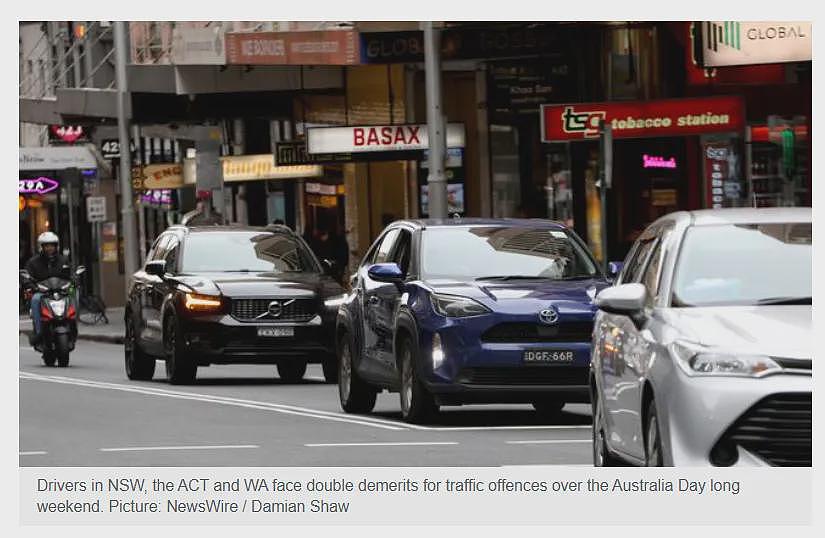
[(41, 185), (656, 161)]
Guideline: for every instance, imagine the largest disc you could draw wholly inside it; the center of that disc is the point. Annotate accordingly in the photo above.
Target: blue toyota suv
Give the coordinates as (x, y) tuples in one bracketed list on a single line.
[(451, 312)]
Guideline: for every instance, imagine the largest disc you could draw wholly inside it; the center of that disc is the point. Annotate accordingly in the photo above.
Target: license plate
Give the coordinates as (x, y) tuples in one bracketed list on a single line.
[(542, 357), (276, 331)]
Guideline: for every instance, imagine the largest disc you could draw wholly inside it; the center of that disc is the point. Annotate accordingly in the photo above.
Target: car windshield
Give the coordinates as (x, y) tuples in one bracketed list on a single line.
[(246, 252), (503, 253), (755, 264)]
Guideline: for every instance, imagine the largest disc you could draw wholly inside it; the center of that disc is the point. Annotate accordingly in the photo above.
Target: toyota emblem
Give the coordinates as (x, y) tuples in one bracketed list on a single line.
[(275, 309), (549, 316)]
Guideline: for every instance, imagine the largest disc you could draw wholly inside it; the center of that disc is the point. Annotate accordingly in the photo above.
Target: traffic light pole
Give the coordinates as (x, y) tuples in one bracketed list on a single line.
[(127, 198), (605, 180)]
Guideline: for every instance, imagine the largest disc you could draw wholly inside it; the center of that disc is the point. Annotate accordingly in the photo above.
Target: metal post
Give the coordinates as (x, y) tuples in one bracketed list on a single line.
[(141, 214), (88, 64), (605, 180), (76, 68), (436, 179), (60, 47), (73, 174), (127, 207)]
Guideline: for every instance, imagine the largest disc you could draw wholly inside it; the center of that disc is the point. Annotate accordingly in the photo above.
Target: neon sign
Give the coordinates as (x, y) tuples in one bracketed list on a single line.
[(656, 161), (41, 185)]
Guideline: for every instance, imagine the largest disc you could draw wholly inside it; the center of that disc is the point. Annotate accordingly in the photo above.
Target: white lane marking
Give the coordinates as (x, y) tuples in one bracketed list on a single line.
[(291, 409), (549, 441), (191, 447), (421, 443), (251, 404), (34, 453), (487, 428)]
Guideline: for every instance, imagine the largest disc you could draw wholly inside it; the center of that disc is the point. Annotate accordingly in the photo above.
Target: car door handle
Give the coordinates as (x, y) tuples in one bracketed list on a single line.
[(373, 300)]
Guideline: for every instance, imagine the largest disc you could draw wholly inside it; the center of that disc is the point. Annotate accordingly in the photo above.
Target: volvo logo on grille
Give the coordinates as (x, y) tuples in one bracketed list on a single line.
[(275, 309), (549, 316)]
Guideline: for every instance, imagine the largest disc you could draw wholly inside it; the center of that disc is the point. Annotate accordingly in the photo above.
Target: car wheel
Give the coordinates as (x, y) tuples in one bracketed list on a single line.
[(355, 395), (548, 409), (139, 366), (330, 368), (292, 371), (180, 370), (417, 403), (601, 455), (653, 439)]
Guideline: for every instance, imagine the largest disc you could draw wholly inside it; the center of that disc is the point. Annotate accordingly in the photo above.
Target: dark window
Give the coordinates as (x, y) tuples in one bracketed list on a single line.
[(471, 252), (246, 251), (382, 255), (745, 265), (402, 251), (633, 271)]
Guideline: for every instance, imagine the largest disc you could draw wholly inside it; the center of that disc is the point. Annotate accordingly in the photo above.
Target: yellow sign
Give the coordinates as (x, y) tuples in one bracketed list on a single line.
[(258, 167), (109, 251), (159, 176), (21, 203)]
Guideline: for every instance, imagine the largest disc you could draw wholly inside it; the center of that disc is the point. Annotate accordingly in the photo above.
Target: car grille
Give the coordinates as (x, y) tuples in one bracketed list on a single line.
[(777, 429), (297, 310), (577, 331), (525, 375)]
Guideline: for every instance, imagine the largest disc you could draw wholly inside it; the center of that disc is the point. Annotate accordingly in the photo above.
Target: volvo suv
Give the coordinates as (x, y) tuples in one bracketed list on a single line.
[(230, 295)]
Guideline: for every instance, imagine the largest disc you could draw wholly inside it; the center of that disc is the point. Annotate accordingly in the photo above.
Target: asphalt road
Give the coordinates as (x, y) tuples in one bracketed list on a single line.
[(90, 414)]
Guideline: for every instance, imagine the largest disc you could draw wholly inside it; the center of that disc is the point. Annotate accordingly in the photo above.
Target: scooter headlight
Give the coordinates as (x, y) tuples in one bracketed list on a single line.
[(58, 307)]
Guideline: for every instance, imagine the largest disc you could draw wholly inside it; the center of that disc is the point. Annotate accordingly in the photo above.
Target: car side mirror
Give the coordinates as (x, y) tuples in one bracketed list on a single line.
[(80, 270), (386, 272), (156, 268), (614, 268), (626, 299)]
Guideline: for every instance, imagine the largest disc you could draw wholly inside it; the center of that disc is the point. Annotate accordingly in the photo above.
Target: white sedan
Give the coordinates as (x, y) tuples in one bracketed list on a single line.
[(702, 350)]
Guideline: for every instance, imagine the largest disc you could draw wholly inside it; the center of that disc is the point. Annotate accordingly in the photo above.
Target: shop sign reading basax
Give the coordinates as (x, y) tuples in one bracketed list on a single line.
[(639, 119), (369, 138)]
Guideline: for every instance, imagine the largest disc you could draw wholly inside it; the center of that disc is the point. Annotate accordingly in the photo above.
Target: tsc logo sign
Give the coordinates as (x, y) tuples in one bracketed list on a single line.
[(582, 122)]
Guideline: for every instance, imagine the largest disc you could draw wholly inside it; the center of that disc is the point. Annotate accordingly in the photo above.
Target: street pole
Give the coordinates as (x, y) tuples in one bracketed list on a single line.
[(605, 180), (127, 197), (436, 178), (87, 56)]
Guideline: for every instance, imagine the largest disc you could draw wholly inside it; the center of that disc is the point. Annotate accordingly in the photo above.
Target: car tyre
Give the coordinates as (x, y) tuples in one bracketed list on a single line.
[(355, 395), (292, 371), (139, 366), (417, 403), (653, 439), (180, 370), (601, 454)]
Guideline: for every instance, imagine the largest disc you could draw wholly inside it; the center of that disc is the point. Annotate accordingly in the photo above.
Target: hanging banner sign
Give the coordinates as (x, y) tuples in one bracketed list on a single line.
[(41, 185), (370, 138), (637, 119), (159, 176)]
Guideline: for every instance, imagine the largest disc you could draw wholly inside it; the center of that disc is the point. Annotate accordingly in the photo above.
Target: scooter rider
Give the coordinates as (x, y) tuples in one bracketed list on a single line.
[(46, 264)]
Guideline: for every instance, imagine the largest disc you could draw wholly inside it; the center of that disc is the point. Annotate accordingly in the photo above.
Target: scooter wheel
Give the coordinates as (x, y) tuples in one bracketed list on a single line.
[(48, 359)]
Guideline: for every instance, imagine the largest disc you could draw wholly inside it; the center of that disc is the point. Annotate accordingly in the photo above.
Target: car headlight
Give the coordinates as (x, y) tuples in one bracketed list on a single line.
[(202, 303), (438, 351), (454, 306), (335, 301), (696, 361)]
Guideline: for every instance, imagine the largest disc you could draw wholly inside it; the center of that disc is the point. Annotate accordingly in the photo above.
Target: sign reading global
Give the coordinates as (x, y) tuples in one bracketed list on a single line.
[(41, 185)]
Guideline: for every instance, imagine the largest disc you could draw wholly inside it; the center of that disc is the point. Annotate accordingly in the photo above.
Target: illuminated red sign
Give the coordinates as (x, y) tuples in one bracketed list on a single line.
[(656, 161), (637, 119), (68, 133)]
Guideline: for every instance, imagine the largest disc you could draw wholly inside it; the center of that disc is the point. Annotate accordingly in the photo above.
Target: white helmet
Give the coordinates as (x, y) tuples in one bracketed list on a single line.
[(47, 237)]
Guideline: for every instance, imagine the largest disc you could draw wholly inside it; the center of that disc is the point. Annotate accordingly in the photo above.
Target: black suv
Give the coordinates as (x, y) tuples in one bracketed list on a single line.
[(231, 295)]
